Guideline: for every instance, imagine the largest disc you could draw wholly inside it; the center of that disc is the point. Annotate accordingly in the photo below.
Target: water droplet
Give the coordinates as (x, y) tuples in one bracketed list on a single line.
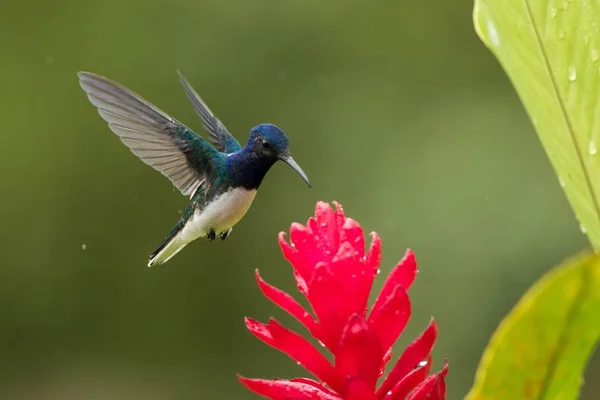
[(582, 228), (83, 246), (552, 12), (299, 363), (377, 271), (322, 344), (389, 393), (494, 37), (423, 363), (592, 148), (561, 182), (572, 73)]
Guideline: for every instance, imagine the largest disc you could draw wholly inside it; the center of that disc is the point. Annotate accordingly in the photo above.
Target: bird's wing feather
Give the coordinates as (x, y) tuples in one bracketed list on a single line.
[(157, 139), (219, 136)]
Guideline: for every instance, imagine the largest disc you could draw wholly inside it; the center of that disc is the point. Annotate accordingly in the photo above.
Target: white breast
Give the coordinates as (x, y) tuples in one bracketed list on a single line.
[(221, 214)]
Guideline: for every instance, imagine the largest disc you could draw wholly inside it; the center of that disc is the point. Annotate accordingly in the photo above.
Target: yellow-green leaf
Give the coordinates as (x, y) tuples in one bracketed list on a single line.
[(541, 348), (550, 50)]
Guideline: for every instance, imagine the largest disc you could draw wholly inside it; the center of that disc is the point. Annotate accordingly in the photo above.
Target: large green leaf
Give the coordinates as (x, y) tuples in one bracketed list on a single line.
[(541, 348), (550, 50)]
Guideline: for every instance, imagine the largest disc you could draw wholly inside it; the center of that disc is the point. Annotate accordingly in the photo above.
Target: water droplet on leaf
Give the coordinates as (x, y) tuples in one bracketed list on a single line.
[(592, 148), (83, 246), (494, 37), (572, 73)]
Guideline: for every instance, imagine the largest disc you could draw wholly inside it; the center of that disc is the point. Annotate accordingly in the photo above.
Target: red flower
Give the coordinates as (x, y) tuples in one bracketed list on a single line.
[(334, 273)]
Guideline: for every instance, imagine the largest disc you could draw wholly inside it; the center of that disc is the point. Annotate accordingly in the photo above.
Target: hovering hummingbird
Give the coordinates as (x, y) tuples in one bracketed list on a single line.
[(220, 176)]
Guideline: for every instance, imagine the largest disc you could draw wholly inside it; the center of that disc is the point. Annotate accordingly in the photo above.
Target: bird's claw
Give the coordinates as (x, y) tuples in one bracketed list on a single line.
[(224, 235), (211, 235)]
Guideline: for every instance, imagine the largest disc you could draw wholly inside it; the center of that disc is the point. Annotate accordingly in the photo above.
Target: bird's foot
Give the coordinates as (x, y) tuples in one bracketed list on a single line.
[(211, 235), (224, 235)]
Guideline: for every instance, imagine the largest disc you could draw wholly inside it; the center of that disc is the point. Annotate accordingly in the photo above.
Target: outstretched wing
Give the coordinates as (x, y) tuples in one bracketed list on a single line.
[(219, 136), (157, 139)]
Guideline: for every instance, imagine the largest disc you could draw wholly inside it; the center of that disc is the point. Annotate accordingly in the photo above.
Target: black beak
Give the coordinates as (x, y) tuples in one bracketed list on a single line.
[(292, 163)]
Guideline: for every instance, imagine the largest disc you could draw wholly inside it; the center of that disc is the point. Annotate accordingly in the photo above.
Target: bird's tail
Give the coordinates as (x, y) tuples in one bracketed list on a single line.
[(170, 246)]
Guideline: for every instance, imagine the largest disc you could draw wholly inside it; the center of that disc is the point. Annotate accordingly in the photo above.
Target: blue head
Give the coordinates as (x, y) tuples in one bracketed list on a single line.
[(268, 142)]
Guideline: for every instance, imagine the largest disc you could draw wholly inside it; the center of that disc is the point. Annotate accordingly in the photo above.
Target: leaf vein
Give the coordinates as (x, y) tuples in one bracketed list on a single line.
[(563, 109)]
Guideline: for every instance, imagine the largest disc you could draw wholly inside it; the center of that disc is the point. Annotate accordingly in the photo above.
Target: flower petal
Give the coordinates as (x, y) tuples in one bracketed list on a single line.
[(352, 233), (295, 346), (432, 388), (291, 254), (390, 318), (358, 358), (350, 266), (416, 352), (287, 303), (328, 222), (307, 244), (386, 359), (286, 390), (373, 258), (316, 384), (340, 217), (328, 299), (403, 274), (409, 382)]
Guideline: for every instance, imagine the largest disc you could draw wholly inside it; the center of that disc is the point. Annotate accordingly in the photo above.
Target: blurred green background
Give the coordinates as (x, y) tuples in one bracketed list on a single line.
[(393, 108)]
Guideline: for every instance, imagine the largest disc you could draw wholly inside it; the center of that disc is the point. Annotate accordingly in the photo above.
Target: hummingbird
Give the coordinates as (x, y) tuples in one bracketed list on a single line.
[(220, 176)]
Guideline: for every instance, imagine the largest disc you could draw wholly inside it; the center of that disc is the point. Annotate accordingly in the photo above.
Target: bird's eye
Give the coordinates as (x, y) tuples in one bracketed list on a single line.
[(265, 143)]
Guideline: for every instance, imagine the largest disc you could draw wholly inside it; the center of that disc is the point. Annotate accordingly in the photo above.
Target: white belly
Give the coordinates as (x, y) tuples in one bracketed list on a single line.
[(221, 214)]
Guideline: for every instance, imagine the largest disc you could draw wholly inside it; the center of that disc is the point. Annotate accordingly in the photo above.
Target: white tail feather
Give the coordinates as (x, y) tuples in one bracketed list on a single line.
[(168, 252)]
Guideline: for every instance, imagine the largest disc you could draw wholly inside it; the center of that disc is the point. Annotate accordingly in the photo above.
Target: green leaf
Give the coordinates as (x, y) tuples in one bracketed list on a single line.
[(550, 50), (541, 348)]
